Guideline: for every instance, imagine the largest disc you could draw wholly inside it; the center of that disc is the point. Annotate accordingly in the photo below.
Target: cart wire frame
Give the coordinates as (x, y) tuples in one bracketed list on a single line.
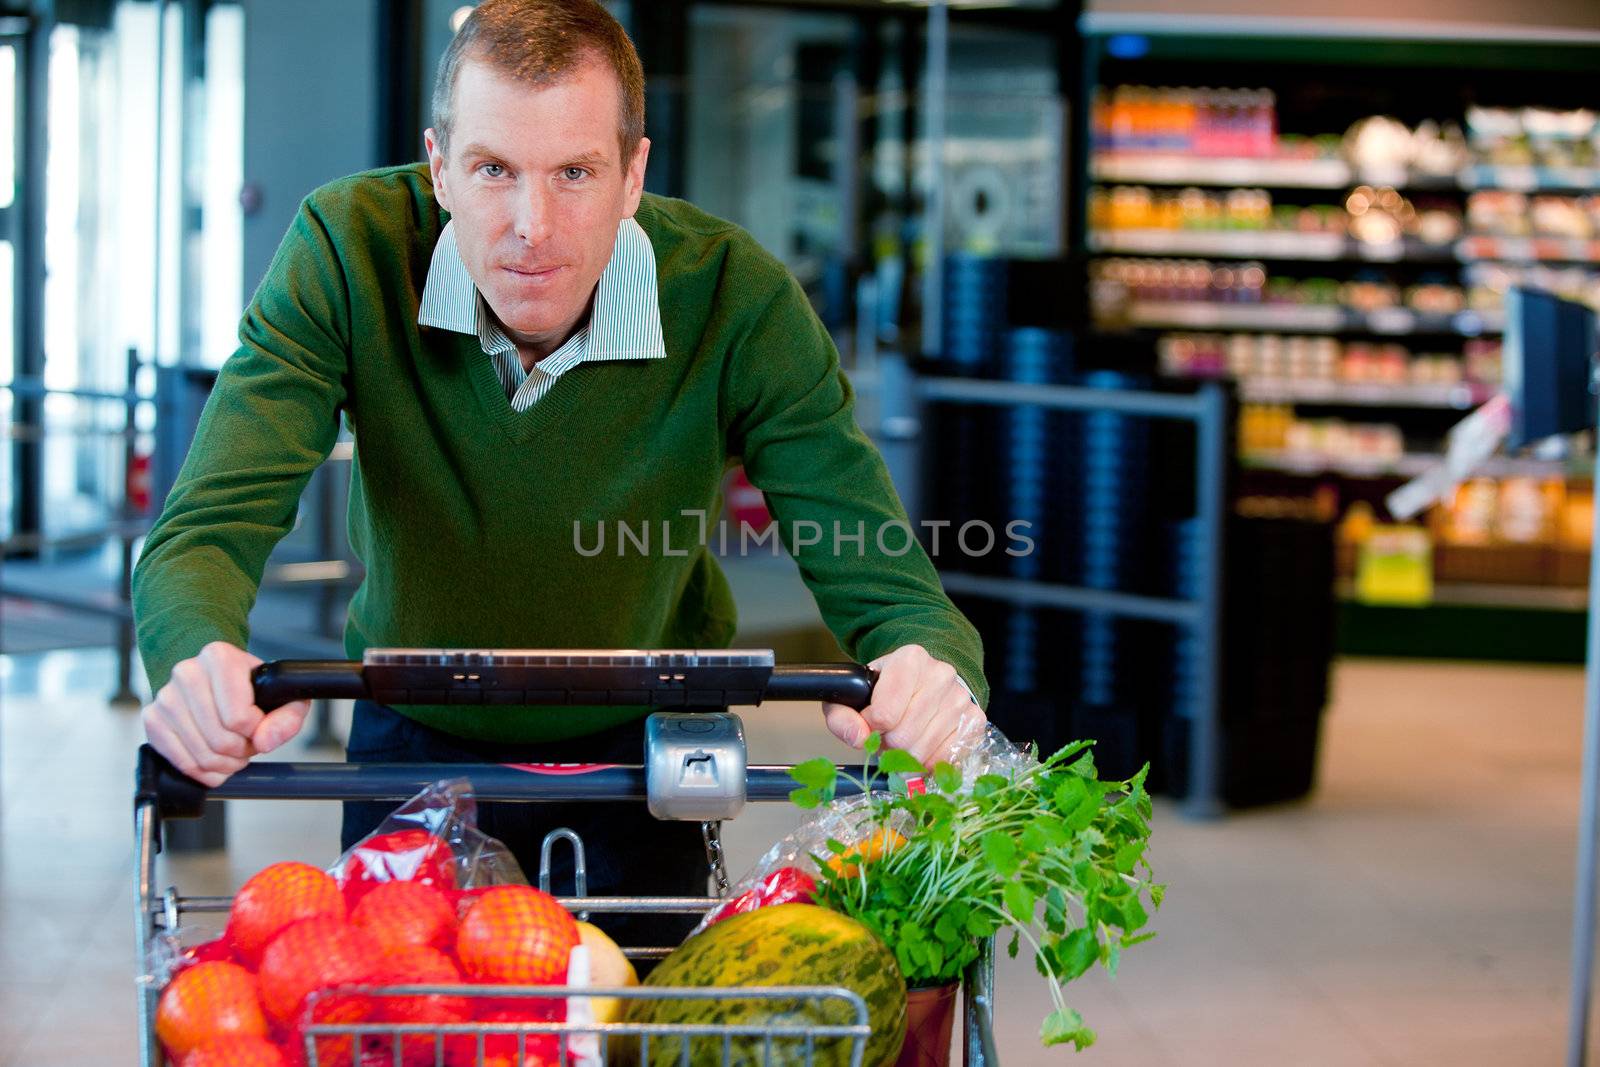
[(162, 913)]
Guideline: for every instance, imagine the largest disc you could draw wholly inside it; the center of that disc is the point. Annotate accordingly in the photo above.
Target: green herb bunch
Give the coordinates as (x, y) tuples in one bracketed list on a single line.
[(981, 857)]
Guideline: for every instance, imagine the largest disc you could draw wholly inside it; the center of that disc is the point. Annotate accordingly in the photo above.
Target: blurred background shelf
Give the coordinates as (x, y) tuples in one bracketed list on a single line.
[(1192, 170), (1333, 247), (1495, 595), (1181, 314), (1175, 169), (1406, 466), (1461, 396)]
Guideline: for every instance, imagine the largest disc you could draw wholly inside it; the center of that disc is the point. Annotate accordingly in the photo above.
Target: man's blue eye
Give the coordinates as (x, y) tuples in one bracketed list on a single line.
[(574, 173), (493, 170)]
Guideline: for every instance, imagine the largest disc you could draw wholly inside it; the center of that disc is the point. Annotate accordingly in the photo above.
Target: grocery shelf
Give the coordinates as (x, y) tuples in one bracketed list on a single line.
[(1308, 318), (1333, 247), (1459, 396), (1491, 594), (1266, 244), (1162, 169), (1527, 249), (1244, 244), (1529, 179), (1406, 466), (1203, 315), (1404, 321), (1155, 169)]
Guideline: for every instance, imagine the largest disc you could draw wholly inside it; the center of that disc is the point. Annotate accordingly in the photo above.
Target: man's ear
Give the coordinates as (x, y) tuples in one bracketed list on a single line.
[(634, 187), (436, 167)]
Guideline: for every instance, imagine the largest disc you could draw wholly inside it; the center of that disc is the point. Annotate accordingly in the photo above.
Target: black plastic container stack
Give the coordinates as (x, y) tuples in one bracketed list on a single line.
[(1032, 460), (974, 315), (1111, 698), (1278, 614), (1188, 544)]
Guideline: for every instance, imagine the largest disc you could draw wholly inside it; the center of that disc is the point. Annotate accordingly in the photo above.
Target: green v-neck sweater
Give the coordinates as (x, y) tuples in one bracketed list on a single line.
[(476, 525)]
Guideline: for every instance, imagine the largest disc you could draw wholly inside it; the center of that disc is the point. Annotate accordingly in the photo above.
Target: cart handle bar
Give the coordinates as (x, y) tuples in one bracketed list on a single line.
[(670, 678), (177, 796)]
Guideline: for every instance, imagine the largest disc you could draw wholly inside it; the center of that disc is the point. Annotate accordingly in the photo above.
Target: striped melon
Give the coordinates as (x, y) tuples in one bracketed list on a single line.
[(786, 944)]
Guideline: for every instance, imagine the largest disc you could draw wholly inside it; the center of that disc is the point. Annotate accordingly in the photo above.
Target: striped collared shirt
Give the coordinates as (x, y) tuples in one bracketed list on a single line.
[(625, 324)]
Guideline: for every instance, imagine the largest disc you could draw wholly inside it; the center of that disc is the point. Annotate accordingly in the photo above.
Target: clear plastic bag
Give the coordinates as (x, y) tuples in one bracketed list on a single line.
[(171, 951), (991, 752), (790, 866), (434, 839)]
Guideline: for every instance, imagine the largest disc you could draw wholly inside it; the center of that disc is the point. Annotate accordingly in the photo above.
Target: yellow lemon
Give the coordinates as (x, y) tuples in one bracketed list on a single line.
[(607, 967)]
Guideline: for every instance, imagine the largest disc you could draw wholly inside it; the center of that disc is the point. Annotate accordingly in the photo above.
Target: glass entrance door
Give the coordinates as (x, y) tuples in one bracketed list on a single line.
[(138, 112), (11, 44)]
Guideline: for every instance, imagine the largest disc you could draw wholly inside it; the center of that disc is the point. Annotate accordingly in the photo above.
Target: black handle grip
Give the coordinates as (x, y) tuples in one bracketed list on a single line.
[(849, 684), (175, 794), (285, 681)]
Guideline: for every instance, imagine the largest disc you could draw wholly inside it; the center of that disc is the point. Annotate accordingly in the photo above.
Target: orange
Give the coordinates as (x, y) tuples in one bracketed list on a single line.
[(406, 913), (419, 965), (315, 954), (515, 934), (318, 954), (236, 1052), (206, 1002), (276, 896)]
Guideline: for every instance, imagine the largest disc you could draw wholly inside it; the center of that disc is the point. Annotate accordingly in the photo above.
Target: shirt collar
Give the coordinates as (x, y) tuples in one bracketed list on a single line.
[(625, 323)]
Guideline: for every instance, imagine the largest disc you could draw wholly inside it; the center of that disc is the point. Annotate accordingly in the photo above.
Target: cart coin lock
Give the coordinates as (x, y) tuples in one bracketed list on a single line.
[(694, 765)]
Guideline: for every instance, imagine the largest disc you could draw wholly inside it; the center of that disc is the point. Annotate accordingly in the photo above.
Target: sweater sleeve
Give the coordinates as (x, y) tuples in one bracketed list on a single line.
[(271, 419), (791, 416)]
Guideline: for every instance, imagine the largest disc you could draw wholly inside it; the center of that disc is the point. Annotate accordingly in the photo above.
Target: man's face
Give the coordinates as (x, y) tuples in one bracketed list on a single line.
[(536, 186)]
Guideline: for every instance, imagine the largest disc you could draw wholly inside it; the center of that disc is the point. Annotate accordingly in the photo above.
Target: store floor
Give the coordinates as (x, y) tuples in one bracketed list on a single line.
[(1416, 911)]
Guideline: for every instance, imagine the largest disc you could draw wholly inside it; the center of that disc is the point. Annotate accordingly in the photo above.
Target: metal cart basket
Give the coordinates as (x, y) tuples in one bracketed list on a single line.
[(694, 768)]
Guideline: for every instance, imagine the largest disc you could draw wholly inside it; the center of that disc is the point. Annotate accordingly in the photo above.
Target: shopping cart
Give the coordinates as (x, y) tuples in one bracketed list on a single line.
[(694, 768)]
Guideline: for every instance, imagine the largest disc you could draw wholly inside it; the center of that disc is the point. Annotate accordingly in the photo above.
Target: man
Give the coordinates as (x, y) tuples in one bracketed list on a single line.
[(525, 346)]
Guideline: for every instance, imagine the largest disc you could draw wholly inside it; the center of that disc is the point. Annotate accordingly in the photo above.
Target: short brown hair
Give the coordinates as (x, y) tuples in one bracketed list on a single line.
[(539, 42)]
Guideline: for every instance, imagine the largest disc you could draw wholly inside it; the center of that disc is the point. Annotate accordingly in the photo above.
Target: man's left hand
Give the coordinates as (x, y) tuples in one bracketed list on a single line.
[(919, 705)]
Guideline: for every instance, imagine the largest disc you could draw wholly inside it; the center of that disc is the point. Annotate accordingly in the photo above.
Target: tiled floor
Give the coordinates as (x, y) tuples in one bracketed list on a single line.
[(1415, 912)]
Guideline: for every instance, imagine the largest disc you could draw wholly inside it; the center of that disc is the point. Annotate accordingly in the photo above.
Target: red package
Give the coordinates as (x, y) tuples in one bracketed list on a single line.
[(433, 838), (786, 885)]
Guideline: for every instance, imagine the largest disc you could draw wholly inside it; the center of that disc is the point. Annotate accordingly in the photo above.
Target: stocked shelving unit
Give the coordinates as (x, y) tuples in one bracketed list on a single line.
[(1331, 233)]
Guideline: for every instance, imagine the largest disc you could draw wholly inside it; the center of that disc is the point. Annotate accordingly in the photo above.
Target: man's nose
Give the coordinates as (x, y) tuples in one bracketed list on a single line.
[(534, 214)]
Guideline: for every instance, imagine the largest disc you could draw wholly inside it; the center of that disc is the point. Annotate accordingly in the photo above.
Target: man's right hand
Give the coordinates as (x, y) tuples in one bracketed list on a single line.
[(205, 718)]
